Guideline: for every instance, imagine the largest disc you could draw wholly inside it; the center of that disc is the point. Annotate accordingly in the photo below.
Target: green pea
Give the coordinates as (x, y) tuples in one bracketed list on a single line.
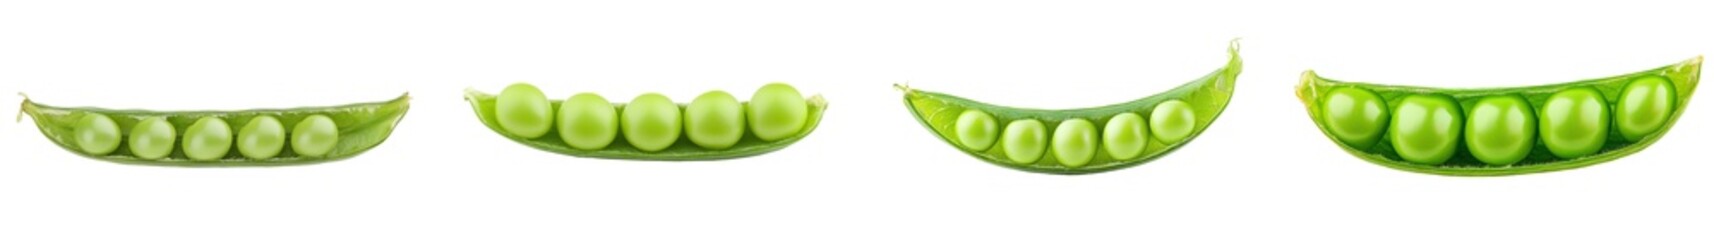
[(976, 130), (315, 136), (152, 138), (777, 111), (1172, 121), (650, 122), (1644, 106), (1425, 128), (1355, 116), (1074, 142), (524, 111), (262, 138), (209, 138), (1574, 122), (1125, 136), (1024, 141), (97, 134), (587, 121), (1501, 129), (714, 120)]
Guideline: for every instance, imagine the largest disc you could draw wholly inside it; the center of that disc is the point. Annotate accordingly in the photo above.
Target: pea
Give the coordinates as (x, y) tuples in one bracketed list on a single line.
[(152, 138), (777, 111), (1426, 127), (315, 136), (1172, 121), (977, 130), (715, 120), (1024, 141), (262, 138), (1355, 116), (97, 134), (524, 111), (1644, 106), (587, 121), (209, 138), (1074, 142), (1501, 129), (1125, 136), (1574, 122), (650, 122)]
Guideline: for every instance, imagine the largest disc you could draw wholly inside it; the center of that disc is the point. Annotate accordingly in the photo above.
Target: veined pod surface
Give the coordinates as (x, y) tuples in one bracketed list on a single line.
[(1105, 138), (149, 137), (1501, 131), (715, 126)]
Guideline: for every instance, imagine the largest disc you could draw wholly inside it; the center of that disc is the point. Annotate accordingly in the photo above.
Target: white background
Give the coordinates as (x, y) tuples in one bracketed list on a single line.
[(1262, 171)]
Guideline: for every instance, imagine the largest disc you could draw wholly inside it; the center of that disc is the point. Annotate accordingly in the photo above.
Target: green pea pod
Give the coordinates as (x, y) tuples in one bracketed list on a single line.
[(209, 141), (1085, 140), (682, 149), (1500, 131)]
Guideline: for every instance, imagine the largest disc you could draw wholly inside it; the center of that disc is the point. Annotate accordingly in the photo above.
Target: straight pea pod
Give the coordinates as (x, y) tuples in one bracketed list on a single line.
[(258, 137), (1501, 131), (1078, 141)]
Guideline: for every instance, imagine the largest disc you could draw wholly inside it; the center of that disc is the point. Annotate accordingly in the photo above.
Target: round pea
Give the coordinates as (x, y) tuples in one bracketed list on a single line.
[(1074, 142), (976, 130), (207, 139), (524, 111), (97, 134), (1172, 121), (650, 122), (777, 111), (715, 120), (1426, 128), (152, 138), (1501, 129), (1024, 141), (1355, 116), (262, 138), (315, 136), (1574, 122), (1125, 136), (1644, 106), (587, 121)]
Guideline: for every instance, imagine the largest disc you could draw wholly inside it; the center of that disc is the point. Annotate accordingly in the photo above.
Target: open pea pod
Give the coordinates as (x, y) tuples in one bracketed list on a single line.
[(1078, 141), (617, 147), (219, 138), (1501, 131)]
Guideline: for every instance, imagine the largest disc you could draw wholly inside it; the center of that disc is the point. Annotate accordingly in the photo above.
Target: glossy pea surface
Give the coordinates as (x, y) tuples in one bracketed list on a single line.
[(152, 138), (208, 139), (777, 111), (1024, 141), (714, 120), (1574, 122), (651, 122), (315, 135), (1074, 142), (977, 130), (1125, 136), (1501, 129), (1172, 121), (97, 134), (1426, 128), (262, 138), (524, 111), (1355, 116), (587, 121), (1644, 106)]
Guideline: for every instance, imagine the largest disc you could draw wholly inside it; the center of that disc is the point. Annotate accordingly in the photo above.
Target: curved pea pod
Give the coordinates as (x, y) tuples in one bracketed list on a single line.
[(220, 138), (1500, 131), (618, 147), (1078, 141)]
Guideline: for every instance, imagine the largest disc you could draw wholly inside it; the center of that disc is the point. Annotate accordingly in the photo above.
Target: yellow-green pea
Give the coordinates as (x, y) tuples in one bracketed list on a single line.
[(1074, 142), (97, 134), (1574, 122), (152, 138), (777, 111), (315, 136), (1644, 106), (209, 138), (1172, 121), (1355, 116), (1501, 129), (1426, 128), (587, 121), (714, 120), (1125, 136), (976, 130), (1024, 141), (650, 122), (524, 111), (261, 138)]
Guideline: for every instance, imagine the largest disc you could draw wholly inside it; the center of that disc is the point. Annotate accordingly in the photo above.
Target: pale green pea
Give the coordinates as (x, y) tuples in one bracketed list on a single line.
[(262, 138), (1574, 122), (1125, 136), (976, 130), (97, 134), (1501, 129), (1644, 106), (1426, 128), (587, 121), (1355, 116), (152, 138), (777, 111), (1024, 141), (651, 122), (714, 120), (1172, 121), (209, 138), (1074, 142), (315, 136), (524, 111)]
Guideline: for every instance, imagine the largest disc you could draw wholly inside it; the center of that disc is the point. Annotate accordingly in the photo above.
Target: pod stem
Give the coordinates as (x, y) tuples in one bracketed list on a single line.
[(21, 106), (904, 87)]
